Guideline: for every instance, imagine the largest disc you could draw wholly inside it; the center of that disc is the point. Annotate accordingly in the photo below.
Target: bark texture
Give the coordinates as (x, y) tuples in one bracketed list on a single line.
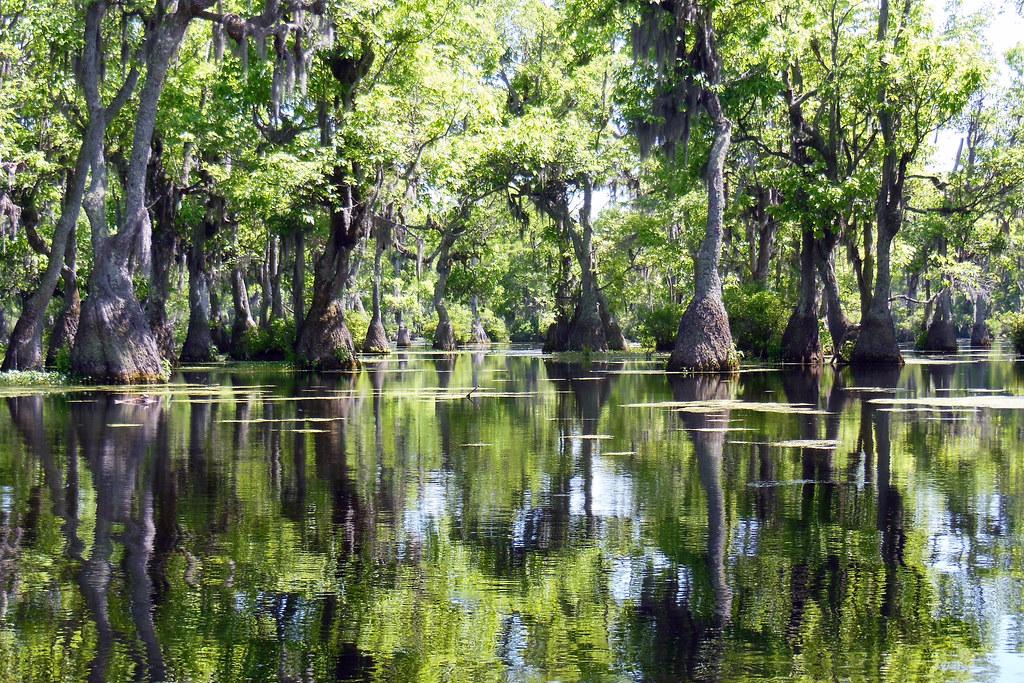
[(941, 334), (114, 340), (801, 342), (66, 327), (444, 335), (24, 349), (243, 324), (479, 334), (376, 336), (199, 346), (704, 340), (877, 343), (981, 335)]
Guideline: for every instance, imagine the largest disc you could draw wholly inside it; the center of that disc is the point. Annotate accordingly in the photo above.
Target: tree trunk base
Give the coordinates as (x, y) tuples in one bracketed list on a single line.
[(404, 339), (24, 348), (981, 336), (66, 328), (444, 337), (557, 337), (586, 332), (613, 334), (801, 342), (704, 340), (241, 332), (114, 342), (325, 342), (376, 338), (198, 347), (876, 342), (941, 337), (163, 332), (596, 332), (480, 337)]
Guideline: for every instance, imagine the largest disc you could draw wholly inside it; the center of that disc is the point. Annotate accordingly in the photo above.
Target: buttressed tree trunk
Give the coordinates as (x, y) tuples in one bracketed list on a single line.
[(876, 343), (800, 340), (324, 342), (838, 325), (24, 349), (165, 200), (199, 346), (704, 340), (444, 335), (980, 333), (376, 336), (114, 340), (591, 325), (941, 333), (67, 322), (479, 334), (243, 323)]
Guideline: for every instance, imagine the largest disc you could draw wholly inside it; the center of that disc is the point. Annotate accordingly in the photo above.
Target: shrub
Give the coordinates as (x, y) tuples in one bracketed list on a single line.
[(657, 327), (493, 325), (358, 322), (62, 360), (1013, 324), (757, 319), (525, 330), (274, 342)]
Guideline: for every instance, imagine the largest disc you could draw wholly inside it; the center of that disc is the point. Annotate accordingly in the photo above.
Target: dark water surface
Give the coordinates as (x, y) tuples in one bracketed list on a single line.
[(250, 523)]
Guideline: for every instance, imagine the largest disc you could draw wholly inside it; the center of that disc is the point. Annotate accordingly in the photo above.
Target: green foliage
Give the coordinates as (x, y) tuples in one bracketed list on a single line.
[(494, 326), (757, 319), (276, 341), (357, 322), (656, 328), (1013, 325), (62, 360), (25, 378)]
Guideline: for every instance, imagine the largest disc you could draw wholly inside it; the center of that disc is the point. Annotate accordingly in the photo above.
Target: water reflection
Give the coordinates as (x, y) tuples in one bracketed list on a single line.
[(506, 515)]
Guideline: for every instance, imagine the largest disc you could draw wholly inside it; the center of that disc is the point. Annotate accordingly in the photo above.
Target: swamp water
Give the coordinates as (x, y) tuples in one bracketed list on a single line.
[(505, 516)]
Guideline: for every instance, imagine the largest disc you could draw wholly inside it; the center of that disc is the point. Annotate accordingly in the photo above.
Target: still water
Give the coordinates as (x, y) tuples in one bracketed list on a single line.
[(504, 516)]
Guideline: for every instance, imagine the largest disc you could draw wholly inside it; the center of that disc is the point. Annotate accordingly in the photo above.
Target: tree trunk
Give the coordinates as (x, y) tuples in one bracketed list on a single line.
[(876, 343), (243, 324), (324, 341), (763, 228), (479, 334), (704, 340), (941, 334), (64, 331), (838, 325), (980, 334), (591, 326), (376, 336), (275, 266), (165, 200), (299, 279), (800, 341), (444, 335), (114, 340), (24, 347), (199, 347)]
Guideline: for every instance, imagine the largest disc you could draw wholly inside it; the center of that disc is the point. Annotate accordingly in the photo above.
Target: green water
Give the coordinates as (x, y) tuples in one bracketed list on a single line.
[(509, 517)]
